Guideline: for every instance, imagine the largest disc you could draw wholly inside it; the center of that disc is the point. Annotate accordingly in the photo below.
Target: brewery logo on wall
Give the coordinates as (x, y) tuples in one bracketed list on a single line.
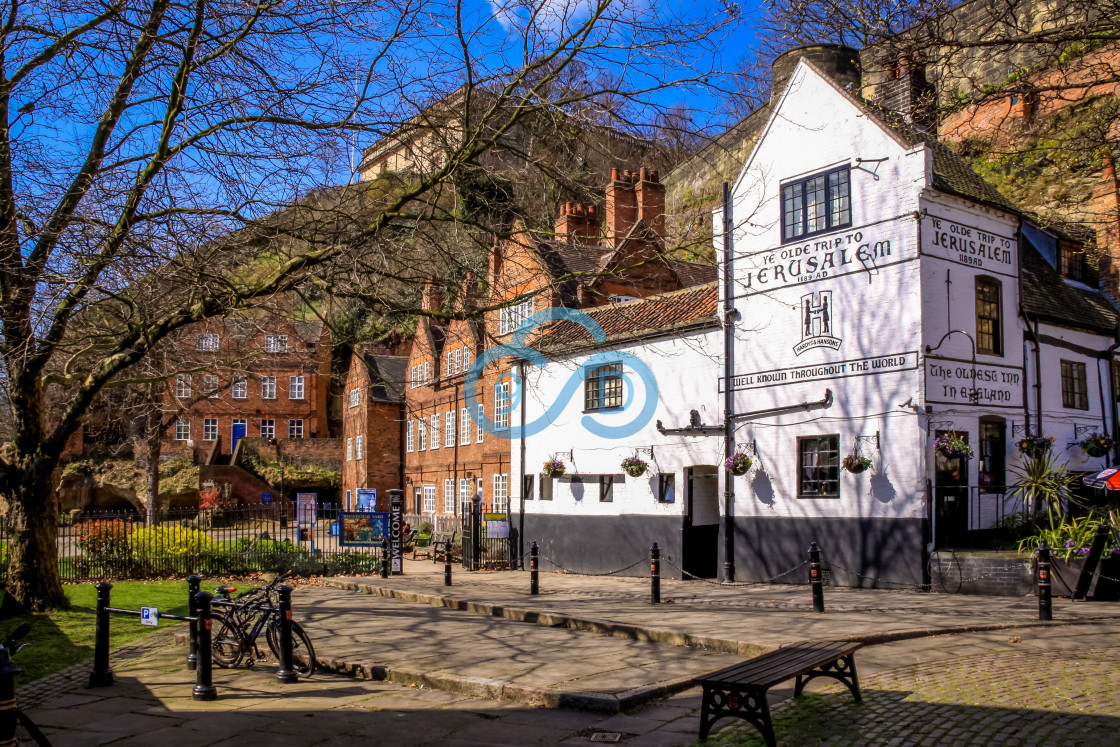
[(818, 319)]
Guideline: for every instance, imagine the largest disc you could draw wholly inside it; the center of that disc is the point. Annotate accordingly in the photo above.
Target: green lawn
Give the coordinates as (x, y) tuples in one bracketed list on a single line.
[(65, 637)]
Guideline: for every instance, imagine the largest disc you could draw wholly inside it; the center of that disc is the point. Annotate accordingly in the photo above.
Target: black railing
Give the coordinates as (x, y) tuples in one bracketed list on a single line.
[(116, 545)]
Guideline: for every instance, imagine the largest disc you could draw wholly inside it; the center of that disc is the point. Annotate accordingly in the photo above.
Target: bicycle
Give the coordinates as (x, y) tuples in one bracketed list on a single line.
[(26, 732), (239, 628)]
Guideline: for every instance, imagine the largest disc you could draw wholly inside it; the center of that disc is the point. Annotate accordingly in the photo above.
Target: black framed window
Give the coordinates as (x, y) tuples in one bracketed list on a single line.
[(993, 454), (1072, 263), (818, 468), (606, 488), (527, 487), (1075, 390), (816, 204), (989, 316), (602, 389), (666, 488)]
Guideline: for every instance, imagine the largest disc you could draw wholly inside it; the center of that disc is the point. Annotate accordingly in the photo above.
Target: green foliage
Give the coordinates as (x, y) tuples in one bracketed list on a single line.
[(170, 540), (425, 527), (1042, 485), (79, 468), (293, 476), (1071, 538)]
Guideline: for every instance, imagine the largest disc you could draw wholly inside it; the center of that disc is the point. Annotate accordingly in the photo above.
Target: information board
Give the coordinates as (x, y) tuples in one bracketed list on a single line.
[(497, 526), (306, 511), (367, 499), (363, 528)]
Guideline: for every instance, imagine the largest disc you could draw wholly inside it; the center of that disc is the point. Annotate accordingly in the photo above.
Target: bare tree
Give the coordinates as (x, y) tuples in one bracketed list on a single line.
[(148, 146)]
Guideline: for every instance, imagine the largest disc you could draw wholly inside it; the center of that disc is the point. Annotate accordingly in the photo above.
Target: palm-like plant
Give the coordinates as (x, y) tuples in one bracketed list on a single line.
[(1043, 484)]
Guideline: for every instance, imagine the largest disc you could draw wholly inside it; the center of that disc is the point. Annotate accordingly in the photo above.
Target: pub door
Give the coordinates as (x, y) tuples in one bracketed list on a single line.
[(700, 537), (950, 499)]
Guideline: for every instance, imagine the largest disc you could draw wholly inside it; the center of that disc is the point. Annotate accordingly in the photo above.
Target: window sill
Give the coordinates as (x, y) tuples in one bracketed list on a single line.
[(802, 237), (603, 409), (817, 497)]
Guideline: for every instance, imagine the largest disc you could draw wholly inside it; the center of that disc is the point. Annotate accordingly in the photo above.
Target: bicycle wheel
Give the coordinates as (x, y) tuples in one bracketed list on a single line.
[(226, 643), (27, 733), (303, 653)]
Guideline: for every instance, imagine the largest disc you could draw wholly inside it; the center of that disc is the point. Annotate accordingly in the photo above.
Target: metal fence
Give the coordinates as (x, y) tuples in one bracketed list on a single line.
[(94, 546), (481, 551)]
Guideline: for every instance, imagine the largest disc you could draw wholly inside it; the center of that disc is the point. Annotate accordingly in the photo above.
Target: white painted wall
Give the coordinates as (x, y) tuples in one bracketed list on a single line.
[(685, 369)]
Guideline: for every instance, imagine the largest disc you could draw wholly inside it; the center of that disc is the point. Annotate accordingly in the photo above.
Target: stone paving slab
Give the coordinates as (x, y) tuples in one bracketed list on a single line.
[(1041, 685), (374, 637), (742, 619)]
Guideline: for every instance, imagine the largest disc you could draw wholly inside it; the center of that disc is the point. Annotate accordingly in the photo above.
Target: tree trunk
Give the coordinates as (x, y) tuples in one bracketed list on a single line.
[(153, 434), (33, 579)]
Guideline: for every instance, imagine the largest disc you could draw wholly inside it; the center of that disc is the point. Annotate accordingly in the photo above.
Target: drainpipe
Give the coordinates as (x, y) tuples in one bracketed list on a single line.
[(1111, 387), (1032, 335), (728, 398), (521, 438)]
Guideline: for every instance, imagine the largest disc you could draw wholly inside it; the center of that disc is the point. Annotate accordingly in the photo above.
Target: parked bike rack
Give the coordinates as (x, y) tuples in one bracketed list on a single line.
[(102, 673), (200, 656)]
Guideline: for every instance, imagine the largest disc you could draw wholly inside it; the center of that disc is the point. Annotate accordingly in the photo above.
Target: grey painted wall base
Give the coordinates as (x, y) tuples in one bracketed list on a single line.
[(989, 573), (885, 553), (599, 544)]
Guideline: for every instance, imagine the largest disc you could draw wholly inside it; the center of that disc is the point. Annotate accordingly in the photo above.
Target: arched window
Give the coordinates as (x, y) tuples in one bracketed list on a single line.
[(989, 316), (993, 454)]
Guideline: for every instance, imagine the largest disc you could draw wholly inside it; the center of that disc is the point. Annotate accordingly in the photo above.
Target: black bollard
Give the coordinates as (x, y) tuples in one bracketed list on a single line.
[(194, 584), (534, 569), (8, 672), (655, 574), (203, 677), (385, 557), (102, 674), (447, 564), (815, 579), (287, 671), (1045, 608)]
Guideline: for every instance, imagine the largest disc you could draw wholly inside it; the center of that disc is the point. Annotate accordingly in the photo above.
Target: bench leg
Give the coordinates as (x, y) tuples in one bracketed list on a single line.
[(751, 706), (843, 669)]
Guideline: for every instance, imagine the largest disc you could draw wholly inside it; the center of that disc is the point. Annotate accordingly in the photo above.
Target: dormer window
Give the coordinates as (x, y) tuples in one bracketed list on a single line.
[(513, 316), (275, 343), (816, 204), (1072, 264)]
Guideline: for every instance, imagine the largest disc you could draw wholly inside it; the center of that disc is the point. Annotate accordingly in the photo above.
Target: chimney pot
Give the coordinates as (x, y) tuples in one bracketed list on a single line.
[(643, 174), (614, 175)]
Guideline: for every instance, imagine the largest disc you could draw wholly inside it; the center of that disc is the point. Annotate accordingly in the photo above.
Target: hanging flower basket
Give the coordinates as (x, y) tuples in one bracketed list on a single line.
[(738, 464), (554, 468), (1096, 445), (1036, 447), (634, 466), (855, 463), (952, 446)]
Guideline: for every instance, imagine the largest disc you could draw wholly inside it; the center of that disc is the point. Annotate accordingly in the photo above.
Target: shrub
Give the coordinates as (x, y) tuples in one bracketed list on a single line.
[(170, 540), (104, 537)]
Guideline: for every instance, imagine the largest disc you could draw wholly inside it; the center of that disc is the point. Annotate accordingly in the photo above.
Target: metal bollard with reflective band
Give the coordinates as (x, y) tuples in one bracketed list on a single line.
[(287, 670), (447, 564), (655, 574), (204, 681), (102, 674), (534, 569), (1045, 609), (815, 579), (194, 584)]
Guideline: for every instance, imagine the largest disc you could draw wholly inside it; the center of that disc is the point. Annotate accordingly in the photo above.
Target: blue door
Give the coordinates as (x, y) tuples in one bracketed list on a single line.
[(236, 433)]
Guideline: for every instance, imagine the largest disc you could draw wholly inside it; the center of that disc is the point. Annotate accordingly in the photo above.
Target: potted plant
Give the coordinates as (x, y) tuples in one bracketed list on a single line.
[(738, 463), (1036, 446), (855, 463), (634, 466), (554, 468), (1096, 445), (952, 445)]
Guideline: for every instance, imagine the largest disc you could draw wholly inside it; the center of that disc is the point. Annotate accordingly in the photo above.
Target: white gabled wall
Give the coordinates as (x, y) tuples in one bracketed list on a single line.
[(870, 275)]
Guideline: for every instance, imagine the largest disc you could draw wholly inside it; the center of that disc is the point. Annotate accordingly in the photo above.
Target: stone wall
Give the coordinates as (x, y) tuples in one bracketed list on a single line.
[(320, 452), (987, 573)]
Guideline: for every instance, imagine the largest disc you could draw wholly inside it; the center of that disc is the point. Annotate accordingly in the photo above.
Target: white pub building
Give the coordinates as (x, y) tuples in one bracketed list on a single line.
[(881, 294)]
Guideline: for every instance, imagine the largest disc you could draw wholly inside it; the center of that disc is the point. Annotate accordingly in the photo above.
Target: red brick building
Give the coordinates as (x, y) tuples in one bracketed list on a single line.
[(448, 455), (265, 377), (372, 424)]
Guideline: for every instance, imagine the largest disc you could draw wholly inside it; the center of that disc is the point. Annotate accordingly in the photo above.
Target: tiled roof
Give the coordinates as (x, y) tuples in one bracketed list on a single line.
[(693, 273), (660, 314), (563, 258), (387, 376), (1047, 297)]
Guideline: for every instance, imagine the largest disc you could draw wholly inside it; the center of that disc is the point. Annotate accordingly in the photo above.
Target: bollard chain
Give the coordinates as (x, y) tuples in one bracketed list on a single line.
[(585, 573)]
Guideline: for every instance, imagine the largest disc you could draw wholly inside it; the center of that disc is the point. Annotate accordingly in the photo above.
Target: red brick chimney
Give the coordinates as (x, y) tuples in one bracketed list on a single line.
[(1106, 208), (651, 201), (577, 222), (432, 298), (622, 206)]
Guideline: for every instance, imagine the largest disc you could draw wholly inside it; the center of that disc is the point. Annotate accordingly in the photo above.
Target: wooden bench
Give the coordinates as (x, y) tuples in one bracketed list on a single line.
[(740, 690), (435, 546)]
